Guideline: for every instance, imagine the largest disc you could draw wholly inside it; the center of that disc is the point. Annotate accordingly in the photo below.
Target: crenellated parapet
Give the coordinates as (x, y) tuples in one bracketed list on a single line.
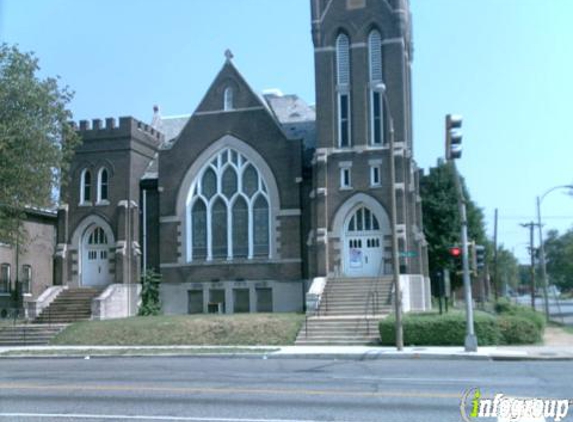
[(109, 128)]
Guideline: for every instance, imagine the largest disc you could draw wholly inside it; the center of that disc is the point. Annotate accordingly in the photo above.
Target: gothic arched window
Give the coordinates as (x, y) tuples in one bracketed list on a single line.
[(228, 99), (343, 89), (228, 212), (86, 186), (103, 184), (376, 83)]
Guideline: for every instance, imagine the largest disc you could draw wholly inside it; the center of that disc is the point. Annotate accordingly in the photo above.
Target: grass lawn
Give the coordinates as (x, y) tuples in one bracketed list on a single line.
[(217, 330)]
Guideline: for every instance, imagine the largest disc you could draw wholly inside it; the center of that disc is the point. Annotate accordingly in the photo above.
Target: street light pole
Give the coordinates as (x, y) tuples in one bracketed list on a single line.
[(542, 247), (393, 217)]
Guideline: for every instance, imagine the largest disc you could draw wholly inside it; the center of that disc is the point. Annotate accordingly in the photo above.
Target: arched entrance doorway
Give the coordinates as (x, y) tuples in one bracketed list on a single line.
[(95, 257), (363, 253)]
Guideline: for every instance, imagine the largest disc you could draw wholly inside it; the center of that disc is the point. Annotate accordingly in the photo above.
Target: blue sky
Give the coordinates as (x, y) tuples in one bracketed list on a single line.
[(505, 65)]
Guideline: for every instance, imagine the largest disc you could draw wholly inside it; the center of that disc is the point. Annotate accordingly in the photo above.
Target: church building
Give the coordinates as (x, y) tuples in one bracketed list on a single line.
[(260, 202)]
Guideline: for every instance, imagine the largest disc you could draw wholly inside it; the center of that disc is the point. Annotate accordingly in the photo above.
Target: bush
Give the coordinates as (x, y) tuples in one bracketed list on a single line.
[(504, 308), (150, 302), (440, 330), (432, 329), (518, 330)]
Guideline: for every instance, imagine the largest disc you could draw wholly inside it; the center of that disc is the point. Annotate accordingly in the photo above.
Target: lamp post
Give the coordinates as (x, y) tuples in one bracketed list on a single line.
[(542, 247), (381, 88)]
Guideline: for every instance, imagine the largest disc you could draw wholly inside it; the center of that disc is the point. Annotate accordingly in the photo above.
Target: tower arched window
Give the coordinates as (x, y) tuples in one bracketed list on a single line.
[(343, 89), (228, 210), (376, 94), (228, 99), (86, 186), (103, 185)]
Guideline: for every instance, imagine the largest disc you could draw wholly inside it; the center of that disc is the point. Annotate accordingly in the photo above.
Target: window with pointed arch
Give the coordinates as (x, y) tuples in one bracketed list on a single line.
[(363, 220), (228, 212), (103, 185), (376, 95), (228, 99), (86, 186), (343, 89)]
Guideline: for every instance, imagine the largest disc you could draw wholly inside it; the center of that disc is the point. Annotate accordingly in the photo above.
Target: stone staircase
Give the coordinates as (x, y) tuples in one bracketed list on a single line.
[(28, 334), (349, 312), (71, 305)]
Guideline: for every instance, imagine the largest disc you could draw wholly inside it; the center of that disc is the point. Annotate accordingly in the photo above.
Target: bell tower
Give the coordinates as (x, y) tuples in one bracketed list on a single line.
[(363, 54)]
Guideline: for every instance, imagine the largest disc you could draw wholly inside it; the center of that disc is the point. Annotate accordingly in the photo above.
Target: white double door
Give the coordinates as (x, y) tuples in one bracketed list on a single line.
[(363, 255), (95, 260)]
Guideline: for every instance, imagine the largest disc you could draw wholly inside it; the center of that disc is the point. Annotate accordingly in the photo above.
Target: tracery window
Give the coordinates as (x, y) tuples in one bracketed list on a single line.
[(228, 212)]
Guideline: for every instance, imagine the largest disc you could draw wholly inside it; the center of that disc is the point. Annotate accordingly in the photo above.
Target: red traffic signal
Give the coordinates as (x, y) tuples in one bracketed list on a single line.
[(456, 251)]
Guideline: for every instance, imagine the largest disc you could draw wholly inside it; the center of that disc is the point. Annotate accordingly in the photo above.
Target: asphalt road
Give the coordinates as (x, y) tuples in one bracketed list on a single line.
[(560, 310), (258, 390)]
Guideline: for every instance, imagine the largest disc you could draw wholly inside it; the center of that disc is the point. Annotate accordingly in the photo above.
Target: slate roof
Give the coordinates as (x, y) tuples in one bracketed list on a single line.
[(295, 116)]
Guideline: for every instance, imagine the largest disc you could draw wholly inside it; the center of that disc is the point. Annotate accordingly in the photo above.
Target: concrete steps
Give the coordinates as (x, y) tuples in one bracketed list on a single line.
[(349, 312), (348, 296), (71, 305), (28, 334), (351, 330)]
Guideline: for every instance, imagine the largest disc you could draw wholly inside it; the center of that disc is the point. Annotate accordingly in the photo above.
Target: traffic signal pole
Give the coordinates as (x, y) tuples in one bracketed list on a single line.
[(453, 152), (470, 343)]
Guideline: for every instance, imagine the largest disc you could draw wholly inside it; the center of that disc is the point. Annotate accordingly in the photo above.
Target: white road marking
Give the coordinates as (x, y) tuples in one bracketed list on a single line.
[(69, 416)]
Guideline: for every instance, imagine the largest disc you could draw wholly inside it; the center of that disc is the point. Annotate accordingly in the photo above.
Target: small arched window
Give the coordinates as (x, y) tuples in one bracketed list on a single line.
[(86, 186), (343, 89), (228, 99), (103, 185)]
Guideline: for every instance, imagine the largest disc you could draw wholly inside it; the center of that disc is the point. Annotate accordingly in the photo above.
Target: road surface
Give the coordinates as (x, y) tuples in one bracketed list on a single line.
[(259, 390)]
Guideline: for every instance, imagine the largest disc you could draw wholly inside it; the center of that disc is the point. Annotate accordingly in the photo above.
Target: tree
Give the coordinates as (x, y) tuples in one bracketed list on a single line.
[(441, 215), (36, 140), (559, 258), (507, 269)]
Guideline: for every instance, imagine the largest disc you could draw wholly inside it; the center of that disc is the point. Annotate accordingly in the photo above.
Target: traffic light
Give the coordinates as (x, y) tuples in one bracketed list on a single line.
[(455, 252), (480, 256), (453, 137), (456, 258)]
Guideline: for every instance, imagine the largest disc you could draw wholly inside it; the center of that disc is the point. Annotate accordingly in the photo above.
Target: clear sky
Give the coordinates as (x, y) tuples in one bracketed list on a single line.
[(505, 65)]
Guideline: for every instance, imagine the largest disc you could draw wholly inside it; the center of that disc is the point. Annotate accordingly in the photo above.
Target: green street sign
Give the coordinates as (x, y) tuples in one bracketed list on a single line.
[(408, 254)]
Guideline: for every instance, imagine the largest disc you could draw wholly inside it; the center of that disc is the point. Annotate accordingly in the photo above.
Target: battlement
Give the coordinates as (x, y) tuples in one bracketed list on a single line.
[(128, 126)]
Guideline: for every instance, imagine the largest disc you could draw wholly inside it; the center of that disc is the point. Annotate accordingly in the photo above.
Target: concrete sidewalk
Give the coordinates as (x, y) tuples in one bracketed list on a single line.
[(295, 352)]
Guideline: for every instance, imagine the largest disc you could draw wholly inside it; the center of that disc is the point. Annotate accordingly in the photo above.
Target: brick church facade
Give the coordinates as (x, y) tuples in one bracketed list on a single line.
[(254, 200)]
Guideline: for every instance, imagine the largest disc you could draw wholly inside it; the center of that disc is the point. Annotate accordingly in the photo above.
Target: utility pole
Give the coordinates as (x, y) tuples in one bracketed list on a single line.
[(495, 280), (531, 226)]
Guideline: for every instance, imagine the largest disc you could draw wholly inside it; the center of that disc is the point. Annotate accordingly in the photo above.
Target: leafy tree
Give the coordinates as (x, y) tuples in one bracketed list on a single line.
[(36, 141), (441, 214), (559, 258), (507, 269)]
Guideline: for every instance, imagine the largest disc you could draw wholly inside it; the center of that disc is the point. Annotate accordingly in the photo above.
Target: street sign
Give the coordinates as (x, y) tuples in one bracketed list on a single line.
[(408, 254)]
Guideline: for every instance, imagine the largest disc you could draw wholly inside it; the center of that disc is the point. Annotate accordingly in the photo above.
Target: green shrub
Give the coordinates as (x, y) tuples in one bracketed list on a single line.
[(440, 330), (432, 329), (504, 307), (516, 329), (150, 302)]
